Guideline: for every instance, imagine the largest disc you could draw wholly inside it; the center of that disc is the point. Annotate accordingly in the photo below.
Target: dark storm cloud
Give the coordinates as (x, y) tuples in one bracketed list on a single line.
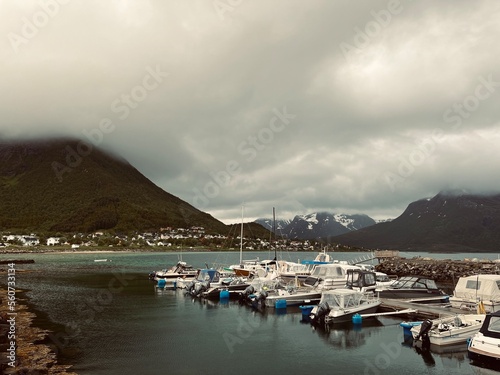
[(304, 106)]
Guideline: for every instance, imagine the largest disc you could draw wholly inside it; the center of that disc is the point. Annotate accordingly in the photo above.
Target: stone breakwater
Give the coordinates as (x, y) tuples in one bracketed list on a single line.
[(442, 270)]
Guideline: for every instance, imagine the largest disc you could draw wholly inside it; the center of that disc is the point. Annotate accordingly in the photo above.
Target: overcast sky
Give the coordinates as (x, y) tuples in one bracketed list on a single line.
[(341, 106)]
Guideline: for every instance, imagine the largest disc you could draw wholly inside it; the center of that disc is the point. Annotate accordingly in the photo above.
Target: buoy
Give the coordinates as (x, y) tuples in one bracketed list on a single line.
[(161, 283), (306, 310), (280, 304), (224, 294), (357, 319)]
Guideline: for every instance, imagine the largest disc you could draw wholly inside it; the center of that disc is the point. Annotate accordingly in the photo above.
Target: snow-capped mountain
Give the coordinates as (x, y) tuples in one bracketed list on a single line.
[(319, 225), (268, 224)]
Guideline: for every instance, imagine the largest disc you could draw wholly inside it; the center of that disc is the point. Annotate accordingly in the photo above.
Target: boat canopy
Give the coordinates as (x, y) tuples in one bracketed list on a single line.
[(491, 325), (414, 282), (209, 275), (341, 298), (478, 287)]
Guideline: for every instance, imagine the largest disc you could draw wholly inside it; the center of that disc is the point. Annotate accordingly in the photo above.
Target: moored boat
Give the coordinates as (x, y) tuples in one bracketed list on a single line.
[(417, 289), (340, 305), (181, 269), (484, 347), (476, 291), (451, 330)]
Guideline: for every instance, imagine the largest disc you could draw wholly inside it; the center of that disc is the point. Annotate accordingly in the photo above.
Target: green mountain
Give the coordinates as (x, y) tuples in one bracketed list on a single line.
[(452, 221), (62, 185)]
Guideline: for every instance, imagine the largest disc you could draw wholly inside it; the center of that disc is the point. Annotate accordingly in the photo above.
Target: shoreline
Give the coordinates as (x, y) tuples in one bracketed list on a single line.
[(32, 355)]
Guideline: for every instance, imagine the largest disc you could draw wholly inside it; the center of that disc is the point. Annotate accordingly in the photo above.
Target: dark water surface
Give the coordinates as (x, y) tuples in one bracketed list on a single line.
[(108, 318)]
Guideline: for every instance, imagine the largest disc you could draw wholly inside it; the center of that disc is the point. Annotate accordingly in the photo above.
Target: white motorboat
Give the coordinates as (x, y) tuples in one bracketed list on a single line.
[(485, 345), (210, 282), (340, 305), (450, 330), (181, 269), (329, 276), (476, 291), (352, 277)]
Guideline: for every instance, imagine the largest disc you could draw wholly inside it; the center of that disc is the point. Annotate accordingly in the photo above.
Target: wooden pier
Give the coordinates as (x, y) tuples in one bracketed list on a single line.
[(422, 311)]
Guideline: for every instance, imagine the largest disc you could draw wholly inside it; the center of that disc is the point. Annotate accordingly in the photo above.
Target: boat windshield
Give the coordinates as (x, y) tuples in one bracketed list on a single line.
[(414, 283), (208, 275), (328, 272), (494, 325), (382, 277)]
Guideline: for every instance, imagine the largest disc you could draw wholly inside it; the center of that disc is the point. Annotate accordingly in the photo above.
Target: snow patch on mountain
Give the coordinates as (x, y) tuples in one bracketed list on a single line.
[(344, 220)]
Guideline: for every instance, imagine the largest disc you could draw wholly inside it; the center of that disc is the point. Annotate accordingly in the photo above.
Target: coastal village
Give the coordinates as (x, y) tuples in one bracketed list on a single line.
[(165, 238)]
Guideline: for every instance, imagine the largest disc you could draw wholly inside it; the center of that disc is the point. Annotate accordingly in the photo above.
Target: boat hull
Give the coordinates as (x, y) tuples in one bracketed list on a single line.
[(294, 299), (484, 352), (414, 296), (336, 317), (234, 291), (242, 272)]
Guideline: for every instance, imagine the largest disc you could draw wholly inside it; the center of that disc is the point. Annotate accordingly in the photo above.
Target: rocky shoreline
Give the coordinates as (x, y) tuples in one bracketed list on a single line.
[(31, 357), (443, 270)]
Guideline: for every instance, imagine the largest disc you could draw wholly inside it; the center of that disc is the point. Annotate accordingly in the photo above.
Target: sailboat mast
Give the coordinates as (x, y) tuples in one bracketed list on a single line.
[(241, 237), (274, 232)]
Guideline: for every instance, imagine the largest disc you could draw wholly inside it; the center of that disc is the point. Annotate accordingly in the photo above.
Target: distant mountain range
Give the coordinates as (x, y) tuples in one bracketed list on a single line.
[(450, 221), (318, 225)]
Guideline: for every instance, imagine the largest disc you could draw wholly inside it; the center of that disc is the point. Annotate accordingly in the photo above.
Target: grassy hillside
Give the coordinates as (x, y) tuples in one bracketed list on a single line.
[(95, 192)]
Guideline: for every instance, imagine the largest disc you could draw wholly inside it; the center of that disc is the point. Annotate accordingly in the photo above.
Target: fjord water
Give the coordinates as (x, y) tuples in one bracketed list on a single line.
[(108, 318)]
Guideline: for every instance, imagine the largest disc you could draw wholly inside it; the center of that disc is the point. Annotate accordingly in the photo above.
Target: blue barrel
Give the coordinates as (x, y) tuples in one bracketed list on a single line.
[(306, 309), (224, 294), (162, 283), (357, 319), (280, 304)]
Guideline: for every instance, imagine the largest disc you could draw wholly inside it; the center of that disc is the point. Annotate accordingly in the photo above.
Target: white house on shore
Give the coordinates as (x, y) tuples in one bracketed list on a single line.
[(52, 241)]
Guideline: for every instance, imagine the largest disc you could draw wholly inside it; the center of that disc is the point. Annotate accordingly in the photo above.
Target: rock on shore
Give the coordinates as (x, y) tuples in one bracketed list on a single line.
[(32, 357), (445, 270)]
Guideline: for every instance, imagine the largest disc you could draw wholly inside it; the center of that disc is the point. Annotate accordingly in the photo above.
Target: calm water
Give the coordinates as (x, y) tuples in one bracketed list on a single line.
[(108, 318)]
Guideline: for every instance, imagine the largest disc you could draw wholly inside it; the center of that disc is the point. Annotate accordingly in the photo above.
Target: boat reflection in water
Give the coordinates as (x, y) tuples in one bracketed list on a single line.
[(348, 335)]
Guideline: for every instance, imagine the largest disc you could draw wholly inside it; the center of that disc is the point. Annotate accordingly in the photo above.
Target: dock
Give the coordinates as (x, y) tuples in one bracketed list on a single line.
[(422, 311)]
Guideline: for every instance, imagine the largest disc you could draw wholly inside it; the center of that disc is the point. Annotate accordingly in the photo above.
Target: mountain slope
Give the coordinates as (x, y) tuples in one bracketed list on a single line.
[(450, 221), (47, 185)]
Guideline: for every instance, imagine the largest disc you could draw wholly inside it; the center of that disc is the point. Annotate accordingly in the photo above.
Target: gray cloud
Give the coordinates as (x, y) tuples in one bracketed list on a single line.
[(391, 101)]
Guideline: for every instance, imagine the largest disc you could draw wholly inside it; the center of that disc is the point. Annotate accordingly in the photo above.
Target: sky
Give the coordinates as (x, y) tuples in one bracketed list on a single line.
[(306, 106)]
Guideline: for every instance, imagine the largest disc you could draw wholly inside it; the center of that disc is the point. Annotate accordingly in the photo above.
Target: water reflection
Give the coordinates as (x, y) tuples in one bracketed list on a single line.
[(449, 356), (348, 335)]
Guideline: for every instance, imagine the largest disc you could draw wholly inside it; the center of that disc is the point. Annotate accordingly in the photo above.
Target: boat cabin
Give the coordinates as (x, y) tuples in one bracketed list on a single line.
[(328, 273), (361, 280)]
